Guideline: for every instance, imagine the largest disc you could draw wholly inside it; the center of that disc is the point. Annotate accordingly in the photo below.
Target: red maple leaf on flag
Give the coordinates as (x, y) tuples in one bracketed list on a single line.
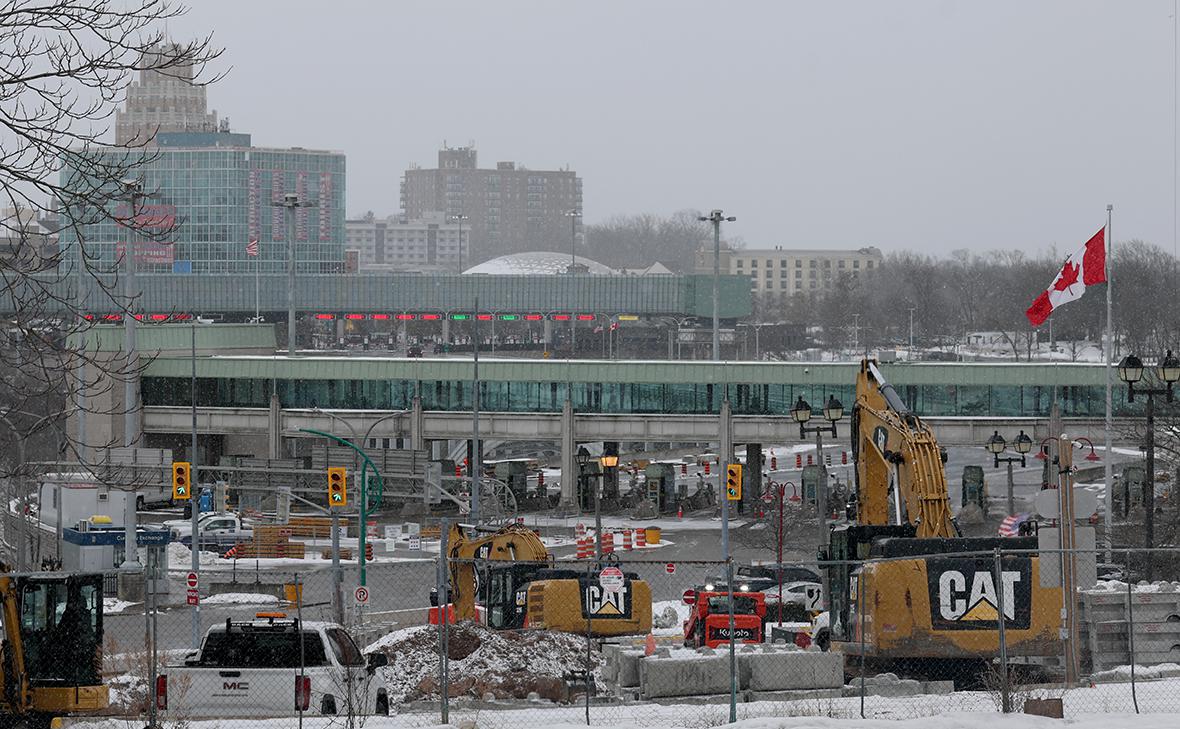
[(1068, 276)]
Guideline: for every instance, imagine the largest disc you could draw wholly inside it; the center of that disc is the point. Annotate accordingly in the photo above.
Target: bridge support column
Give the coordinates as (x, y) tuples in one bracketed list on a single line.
[(274, 428), (417, 442), (751, 479), (569, 448)]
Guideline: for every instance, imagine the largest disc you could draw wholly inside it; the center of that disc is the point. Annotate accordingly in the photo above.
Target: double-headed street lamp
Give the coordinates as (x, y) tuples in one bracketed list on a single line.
[(608, 460), (1167, 372), (801, 413), (996, 445), (716, 217)]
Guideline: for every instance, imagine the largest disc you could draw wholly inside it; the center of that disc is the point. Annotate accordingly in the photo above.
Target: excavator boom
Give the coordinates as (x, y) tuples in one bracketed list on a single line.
[(896, 453), (512, 543)]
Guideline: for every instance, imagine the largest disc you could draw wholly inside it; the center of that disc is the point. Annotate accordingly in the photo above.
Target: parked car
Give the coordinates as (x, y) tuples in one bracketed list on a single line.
[(253, 668)]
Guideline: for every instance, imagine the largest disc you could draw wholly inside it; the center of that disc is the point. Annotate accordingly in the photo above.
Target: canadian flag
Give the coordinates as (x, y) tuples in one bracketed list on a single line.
[(1085, 267)]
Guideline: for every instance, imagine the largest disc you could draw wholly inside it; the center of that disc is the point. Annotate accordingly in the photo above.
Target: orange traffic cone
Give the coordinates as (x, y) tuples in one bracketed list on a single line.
[(680, 512), (649, 645)]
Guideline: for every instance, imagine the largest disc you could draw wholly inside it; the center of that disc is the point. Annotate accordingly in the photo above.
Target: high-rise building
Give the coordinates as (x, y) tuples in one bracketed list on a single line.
[(163, 102), (399, 244), (783, 272), (209, 194), (509, 209)]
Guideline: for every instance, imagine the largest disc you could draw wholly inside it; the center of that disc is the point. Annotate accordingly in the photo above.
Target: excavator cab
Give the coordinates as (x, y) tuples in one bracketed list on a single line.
[(52, 651), (504, 593)]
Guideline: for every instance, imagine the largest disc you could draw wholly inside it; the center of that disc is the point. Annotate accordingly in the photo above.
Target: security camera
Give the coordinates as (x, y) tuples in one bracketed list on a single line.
[(807, 370), (290, 198)]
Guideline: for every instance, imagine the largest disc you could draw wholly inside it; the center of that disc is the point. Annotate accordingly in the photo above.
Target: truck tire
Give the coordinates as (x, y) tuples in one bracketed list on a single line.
[(383, 704), (328, 705)]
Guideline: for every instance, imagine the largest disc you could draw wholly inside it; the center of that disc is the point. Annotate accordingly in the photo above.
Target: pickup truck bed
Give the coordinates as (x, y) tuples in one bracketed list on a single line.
[(252, 669)]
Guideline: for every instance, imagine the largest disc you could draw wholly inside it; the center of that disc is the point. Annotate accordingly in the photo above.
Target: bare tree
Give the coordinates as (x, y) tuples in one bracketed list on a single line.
[(66, 64)]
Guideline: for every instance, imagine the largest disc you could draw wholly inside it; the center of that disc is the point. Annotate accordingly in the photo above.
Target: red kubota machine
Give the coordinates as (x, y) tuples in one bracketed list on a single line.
[(708, 623)]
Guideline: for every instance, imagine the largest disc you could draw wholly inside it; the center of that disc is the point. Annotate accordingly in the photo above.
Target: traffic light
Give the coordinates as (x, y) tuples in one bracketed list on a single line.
[(733, 482), (337, 486), (182, 482)]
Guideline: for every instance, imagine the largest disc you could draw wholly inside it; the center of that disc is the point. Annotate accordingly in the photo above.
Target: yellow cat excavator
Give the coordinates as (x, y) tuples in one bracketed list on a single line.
[(51, 663), (507, 579), (934, 597)]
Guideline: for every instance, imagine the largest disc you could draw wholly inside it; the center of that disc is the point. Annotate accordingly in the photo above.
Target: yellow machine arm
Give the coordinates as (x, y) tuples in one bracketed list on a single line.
[(894, 448), (14, 656), (511, 543)]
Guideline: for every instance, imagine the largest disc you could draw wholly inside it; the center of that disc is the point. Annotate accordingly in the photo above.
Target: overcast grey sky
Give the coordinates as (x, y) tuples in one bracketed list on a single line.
[(919, 124)]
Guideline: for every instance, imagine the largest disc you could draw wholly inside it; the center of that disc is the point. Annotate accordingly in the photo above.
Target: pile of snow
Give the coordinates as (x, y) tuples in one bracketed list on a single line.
[(1142, 586), (180, 557), (113, 605), (503, 663), (240, 598), (668, 617), (1142, 673)]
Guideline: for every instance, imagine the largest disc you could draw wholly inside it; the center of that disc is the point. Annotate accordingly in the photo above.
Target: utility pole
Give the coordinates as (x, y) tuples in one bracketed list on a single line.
[(290, 203), (715, 217), (476, 445)]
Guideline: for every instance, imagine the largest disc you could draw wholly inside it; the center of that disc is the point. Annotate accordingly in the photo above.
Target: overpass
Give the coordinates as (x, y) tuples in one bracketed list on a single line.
[(251, 401), (381, 297)]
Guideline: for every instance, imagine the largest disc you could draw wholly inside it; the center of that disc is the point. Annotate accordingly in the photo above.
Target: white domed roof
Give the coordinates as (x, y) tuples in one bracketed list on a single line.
[(536, 263)]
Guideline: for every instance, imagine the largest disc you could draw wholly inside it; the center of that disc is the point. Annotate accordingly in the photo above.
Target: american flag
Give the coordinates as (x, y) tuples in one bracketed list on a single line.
[(252, 247), (1010, 527)]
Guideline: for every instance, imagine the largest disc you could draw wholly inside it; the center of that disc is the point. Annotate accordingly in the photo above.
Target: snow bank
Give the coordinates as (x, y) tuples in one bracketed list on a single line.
[(1142, 586), (240, 598), (113, 605), (662, 613)]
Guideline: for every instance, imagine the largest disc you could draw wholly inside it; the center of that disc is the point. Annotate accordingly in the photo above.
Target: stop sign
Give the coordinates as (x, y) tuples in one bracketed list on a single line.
[(670, 568), (192, 580)]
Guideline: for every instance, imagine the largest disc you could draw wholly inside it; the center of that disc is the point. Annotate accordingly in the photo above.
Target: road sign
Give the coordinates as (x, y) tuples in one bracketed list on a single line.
[(1085, 503), (191, 580), (194, 597), (670, 568), (415, 544), (814, 597), (611, 579), (361, 595), (689, 596)]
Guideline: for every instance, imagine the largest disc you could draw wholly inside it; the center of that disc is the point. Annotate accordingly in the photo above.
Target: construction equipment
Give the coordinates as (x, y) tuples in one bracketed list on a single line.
[(528, 590), (52, 650), (708, 621), (936, 596)]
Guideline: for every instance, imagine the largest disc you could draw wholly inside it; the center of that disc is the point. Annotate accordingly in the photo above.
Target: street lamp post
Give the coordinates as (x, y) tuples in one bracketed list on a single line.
[(801, 413), (1131, 372), (996, 445), (715, 217), (573, 214), (459, 219), (290, 203)]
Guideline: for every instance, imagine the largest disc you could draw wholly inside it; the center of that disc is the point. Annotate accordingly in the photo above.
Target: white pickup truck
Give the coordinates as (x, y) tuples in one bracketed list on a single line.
[(258, 668), (218, 532)]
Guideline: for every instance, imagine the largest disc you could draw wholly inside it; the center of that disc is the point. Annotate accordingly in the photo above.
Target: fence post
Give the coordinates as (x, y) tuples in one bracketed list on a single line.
[(860, 617), (1005, 693), (586, 607), (153, 559), (302, 648), (732, 641), (444, 620), (1131, 632)]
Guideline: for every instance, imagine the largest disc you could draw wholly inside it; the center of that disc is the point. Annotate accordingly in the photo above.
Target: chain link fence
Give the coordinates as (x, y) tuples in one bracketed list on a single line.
[(625, 640)]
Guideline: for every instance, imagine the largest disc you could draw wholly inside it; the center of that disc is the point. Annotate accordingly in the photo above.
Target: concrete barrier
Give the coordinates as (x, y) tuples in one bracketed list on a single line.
[(690, 676), (784, 670)]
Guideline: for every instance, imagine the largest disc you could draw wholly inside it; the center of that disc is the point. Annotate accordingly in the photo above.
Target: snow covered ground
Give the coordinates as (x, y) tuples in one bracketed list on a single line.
[(113, 605), (240, 598)]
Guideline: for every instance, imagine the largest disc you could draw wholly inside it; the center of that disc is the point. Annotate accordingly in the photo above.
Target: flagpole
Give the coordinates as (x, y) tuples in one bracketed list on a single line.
[(1107, 466), (257, 294)]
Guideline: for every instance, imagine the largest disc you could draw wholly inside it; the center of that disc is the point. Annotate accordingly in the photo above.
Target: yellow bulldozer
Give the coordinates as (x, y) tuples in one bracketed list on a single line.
[(931, 602), (51, 662), (507, 579)]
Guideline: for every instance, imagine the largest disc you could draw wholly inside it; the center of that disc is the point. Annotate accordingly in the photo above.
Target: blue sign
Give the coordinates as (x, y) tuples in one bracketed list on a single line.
[(206, 501), (182, 267)]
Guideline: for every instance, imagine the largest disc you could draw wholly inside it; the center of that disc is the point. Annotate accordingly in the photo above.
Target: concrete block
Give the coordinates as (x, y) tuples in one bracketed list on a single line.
[(628, 668), (662, 677), (938, 687), (787, 670)]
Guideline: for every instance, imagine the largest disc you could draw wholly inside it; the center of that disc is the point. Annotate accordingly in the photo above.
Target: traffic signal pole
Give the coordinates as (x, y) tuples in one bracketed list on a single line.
[(364, 490)]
